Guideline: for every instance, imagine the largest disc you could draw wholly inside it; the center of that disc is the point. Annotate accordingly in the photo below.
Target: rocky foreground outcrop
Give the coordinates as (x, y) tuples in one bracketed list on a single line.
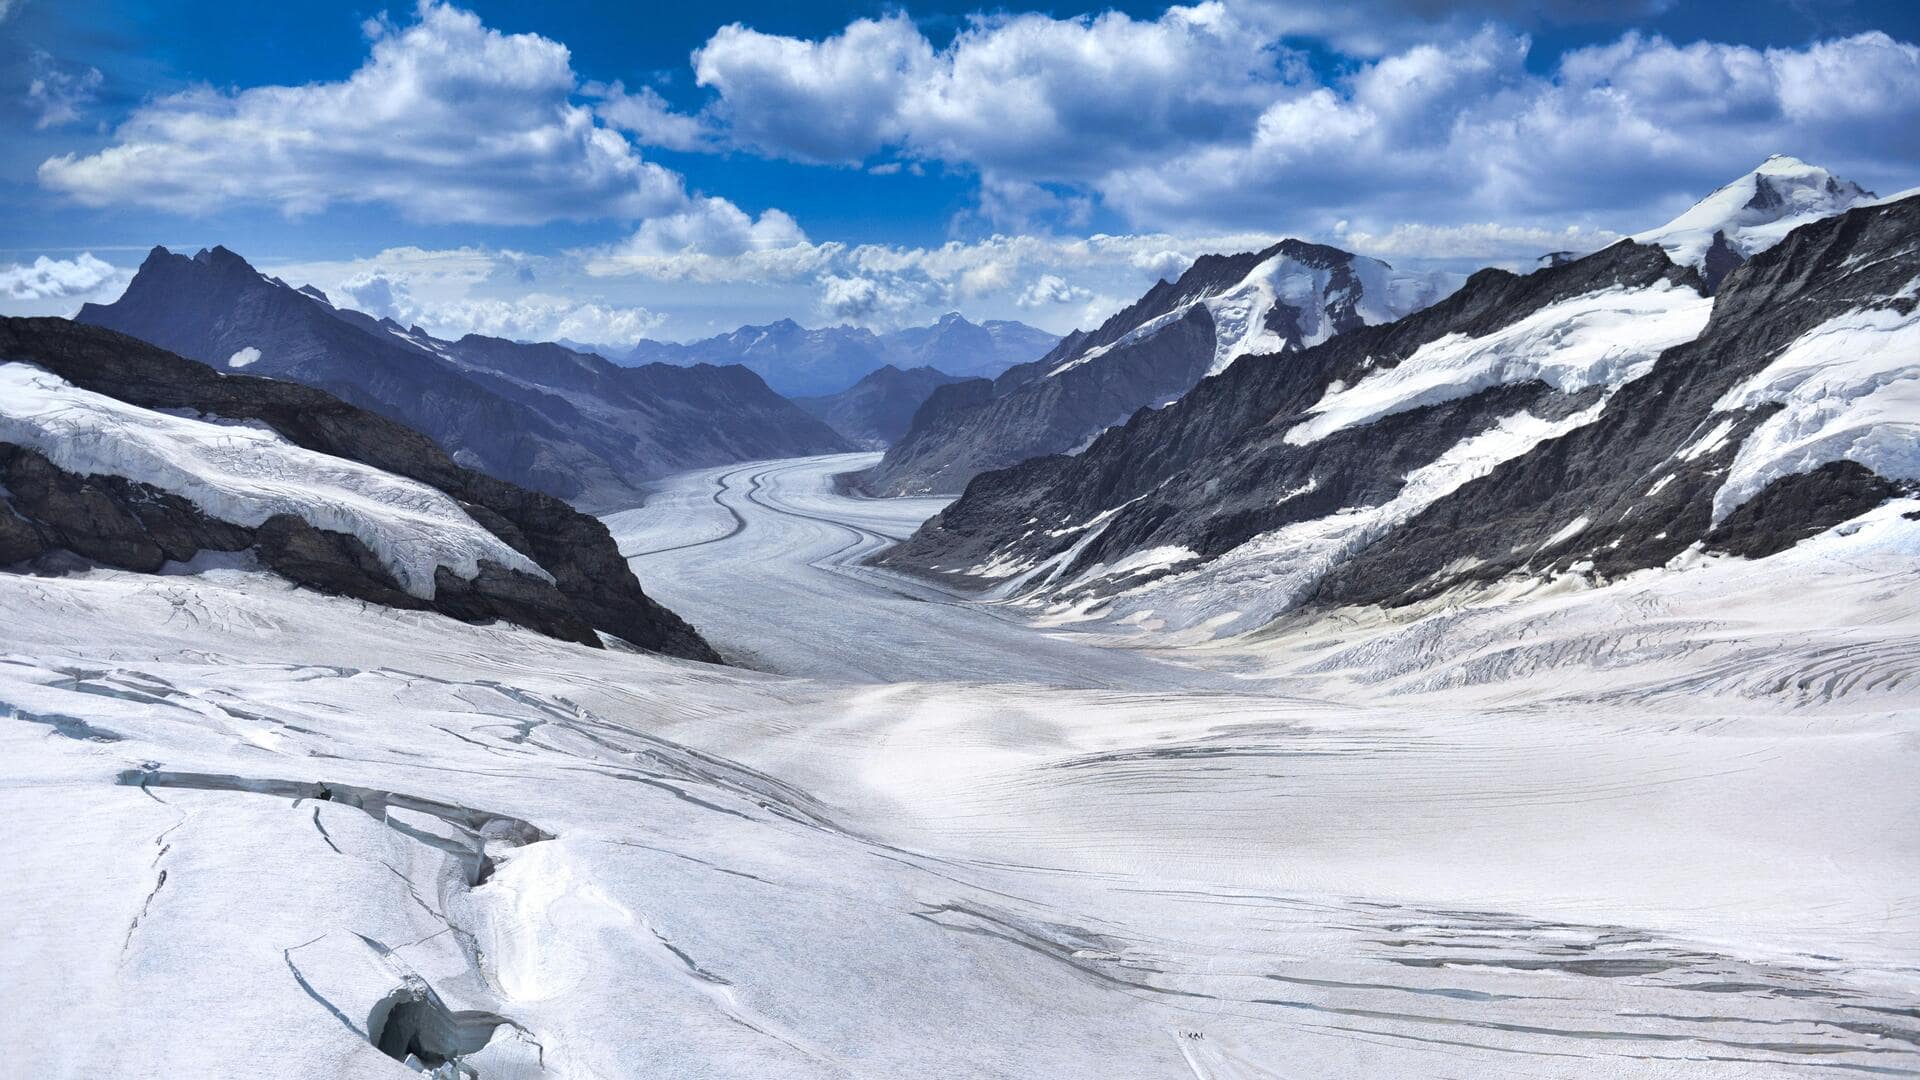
[(130, 525)]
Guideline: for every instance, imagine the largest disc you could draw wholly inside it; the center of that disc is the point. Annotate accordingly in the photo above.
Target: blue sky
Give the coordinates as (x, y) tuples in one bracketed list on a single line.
[(586, 171)]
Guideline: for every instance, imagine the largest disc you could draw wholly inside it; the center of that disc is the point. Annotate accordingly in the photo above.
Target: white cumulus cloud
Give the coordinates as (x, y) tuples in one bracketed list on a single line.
[(1023, 97), (1052, 289), (1207, 117), (530, 317), (55, 279), (649, 118), (447, 121)]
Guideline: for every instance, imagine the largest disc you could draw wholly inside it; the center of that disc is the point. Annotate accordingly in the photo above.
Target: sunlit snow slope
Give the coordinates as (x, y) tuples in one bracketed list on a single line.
[(1753, 213), (247, 473)]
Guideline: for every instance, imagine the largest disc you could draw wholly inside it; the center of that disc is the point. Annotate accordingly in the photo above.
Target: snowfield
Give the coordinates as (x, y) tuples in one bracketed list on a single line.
[(1850, 390), (245, 474), (1662, 829), (1607, 338)]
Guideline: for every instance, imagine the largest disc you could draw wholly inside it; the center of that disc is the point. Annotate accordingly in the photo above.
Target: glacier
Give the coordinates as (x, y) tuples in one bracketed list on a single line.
[(1849, 389), (1542, 837), (1606, 338)]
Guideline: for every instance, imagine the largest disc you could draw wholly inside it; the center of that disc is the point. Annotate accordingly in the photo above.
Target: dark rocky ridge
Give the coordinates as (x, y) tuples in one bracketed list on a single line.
[(1230, 427), (1208, 472), (123, 525), (565, 423), (1026, 412), (878, 410), (1603, 471)]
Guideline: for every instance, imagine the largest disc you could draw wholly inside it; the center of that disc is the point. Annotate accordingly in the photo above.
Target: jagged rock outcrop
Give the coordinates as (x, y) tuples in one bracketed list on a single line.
[(120, 523)]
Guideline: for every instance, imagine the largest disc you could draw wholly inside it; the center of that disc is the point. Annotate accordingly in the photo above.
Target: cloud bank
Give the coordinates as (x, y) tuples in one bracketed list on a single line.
[(1211, 116), (1410, 130)]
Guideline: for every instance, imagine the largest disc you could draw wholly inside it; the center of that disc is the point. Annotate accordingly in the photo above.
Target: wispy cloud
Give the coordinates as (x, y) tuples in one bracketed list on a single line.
[(58, 95)]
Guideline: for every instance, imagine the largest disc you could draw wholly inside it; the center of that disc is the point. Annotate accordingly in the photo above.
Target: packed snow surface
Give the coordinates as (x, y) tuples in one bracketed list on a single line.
[(1606, 338), (245, 474), (1850, 389), (1658, 830), (1757, 211)]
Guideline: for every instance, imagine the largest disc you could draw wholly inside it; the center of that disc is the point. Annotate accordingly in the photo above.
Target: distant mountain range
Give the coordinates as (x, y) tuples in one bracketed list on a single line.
[(1288, 297), (878, 409), (1733, 382), (569, 424), (800, 362)]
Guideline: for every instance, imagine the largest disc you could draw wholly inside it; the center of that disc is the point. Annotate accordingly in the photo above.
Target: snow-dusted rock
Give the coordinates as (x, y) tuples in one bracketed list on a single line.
[(133, 457), (1596, 418), (1290, 296)]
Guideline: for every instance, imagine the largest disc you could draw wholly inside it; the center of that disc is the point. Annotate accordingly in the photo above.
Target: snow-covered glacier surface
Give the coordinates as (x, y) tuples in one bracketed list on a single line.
[(1606, 338), (1849, 389), (1661, 829), (246, 473)]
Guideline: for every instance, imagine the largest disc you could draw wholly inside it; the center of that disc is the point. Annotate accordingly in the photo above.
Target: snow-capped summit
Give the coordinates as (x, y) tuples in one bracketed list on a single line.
[(1752, 214), (1587, 421), (1287, 297), (1294, 296)]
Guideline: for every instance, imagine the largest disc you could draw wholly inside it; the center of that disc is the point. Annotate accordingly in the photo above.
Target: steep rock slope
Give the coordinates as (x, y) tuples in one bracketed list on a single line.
[(803, 362), (1288, 297), (879, 408), (131, 456), (1593, 418), (568, 424)]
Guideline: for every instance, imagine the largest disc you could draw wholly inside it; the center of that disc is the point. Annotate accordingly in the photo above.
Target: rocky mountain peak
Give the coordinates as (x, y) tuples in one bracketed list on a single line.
[(1752, 213)]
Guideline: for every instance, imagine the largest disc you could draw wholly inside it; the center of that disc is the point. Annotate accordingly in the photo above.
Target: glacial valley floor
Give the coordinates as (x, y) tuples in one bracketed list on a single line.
[(1665, 828)]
